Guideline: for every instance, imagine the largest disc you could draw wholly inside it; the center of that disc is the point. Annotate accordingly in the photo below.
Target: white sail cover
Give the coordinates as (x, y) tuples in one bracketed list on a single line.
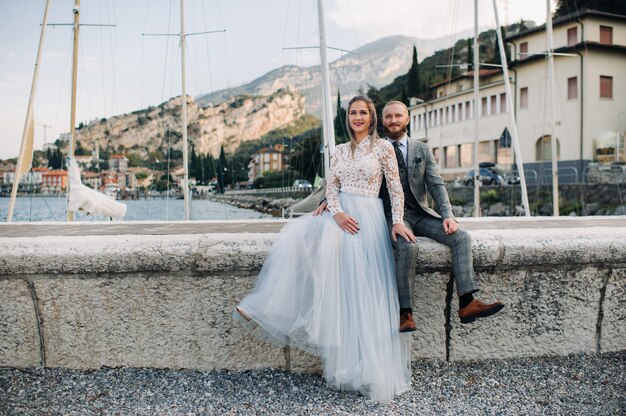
[(84, 198), (310, 203)]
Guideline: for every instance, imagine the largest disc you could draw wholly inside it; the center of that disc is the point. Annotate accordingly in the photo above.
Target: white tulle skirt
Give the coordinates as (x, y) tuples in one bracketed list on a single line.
[(334, 294)]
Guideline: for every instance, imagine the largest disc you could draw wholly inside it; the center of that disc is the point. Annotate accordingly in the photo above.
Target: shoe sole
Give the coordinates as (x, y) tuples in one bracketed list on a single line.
[(482, 315), (404, 331), (243, 314)]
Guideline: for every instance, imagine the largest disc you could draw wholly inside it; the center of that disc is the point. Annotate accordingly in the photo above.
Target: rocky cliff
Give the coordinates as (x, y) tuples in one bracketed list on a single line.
[(231, 122), (376, 63)]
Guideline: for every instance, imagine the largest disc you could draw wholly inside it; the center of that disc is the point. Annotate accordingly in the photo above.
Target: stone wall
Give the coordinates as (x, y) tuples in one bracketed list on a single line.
[(166, 300)]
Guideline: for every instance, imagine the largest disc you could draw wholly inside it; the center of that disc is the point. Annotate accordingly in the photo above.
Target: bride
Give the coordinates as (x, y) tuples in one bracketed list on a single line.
[(328, 283)]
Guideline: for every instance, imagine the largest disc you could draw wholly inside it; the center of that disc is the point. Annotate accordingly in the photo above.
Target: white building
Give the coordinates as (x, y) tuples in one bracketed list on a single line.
[(590, 96)]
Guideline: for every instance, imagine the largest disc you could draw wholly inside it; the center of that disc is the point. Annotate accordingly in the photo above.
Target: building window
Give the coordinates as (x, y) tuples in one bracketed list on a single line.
[(543, 148), (523, 50), (468, 110), (484, 107), (606, 87), (606, 35), (523, 97), (572, 88), (572, 36), (451, 156), (494, 99), (467, 155), (503, 103)]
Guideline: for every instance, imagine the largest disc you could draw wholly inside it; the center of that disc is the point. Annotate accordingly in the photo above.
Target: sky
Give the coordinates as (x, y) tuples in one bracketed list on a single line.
[(126, 68)]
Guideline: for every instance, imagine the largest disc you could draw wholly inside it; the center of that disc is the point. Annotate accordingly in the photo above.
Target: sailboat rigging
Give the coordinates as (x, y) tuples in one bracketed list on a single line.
[(183, 52)]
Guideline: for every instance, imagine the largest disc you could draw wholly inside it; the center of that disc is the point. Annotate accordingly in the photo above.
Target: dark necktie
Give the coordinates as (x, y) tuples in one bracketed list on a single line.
[(399, 155)]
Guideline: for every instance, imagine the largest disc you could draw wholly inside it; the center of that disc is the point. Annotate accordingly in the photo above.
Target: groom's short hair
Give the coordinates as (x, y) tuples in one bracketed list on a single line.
[(395, 102)]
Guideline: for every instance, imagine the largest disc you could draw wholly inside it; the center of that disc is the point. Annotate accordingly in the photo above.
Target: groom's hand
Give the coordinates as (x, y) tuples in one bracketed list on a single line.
[(402, 230), (450, 226)]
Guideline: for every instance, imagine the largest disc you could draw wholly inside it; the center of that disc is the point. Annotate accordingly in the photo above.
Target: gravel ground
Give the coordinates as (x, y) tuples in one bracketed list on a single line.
[(573, 385)]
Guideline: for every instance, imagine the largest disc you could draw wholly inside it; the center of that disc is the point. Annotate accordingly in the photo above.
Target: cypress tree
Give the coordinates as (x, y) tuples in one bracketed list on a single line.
[(413, 79), (209, 166), (496, 55), (470, 54), (340, 121), (221, 170)]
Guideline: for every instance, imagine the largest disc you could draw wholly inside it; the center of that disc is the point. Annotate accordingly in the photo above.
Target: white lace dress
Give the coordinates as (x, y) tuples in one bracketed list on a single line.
[(333, 293)]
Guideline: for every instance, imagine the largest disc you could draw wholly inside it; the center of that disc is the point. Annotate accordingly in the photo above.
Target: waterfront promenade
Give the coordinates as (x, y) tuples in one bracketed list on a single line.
[(271, 226)]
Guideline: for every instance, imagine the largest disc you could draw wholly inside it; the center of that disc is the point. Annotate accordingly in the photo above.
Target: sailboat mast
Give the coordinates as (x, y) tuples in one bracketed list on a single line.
[(26, 147), (476, 106), (509, 105), (76, 11), (328, 132), (183, 52), (553, 146)]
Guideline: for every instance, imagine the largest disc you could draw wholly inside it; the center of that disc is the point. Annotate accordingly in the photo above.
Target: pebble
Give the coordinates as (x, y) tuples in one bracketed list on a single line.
[(577, 384)]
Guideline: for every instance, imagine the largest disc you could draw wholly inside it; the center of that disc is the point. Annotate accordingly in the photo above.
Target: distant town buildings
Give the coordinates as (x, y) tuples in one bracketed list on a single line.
[(54, 181), (590, 99)]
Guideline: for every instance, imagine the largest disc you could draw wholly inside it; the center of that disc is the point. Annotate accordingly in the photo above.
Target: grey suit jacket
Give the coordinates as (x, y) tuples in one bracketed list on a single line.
[(424, 176)]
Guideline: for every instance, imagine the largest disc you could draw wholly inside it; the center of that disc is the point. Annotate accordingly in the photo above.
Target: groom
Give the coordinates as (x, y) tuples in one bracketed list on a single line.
[(419, 173)]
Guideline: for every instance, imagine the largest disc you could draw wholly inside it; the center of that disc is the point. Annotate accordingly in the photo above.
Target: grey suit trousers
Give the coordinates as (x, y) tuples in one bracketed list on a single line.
[(406, 253)]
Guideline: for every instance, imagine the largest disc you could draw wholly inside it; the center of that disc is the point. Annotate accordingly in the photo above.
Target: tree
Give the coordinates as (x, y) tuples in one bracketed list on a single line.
[(209, 167), (135, 159), (496, 56), (564, 7), (414, 86), (470, 54), (306, 158), (193, 164), (222, 169), (340, 122), (379, 103)]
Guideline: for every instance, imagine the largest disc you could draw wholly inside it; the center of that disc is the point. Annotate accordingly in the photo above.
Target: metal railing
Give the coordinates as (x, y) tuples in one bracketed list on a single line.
[(271, 191)]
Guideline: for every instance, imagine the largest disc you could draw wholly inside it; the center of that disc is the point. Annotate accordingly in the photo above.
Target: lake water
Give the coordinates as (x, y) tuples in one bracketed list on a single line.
[(53, 209)]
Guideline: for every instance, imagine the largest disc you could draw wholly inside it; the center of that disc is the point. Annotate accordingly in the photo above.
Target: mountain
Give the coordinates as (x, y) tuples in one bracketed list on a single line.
[(229, 123), (376, 63)]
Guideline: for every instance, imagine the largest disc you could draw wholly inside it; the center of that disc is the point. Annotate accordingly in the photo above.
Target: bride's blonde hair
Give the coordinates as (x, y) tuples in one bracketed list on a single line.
[(371, 130)]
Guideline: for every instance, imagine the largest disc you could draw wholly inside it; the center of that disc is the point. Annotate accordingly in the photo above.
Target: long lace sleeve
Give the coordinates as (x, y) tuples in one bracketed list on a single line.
[(333, 184), (392, 177)]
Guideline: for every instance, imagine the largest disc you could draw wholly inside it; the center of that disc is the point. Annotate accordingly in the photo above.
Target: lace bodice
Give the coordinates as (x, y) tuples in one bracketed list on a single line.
[(363, 175)]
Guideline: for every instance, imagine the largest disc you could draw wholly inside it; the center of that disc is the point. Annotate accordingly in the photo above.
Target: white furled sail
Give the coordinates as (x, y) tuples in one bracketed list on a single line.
[(83, 198)]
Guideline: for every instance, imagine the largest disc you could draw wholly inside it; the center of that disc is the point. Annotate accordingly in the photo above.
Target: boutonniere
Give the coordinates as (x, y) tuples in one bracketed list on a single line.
[(417, 160)]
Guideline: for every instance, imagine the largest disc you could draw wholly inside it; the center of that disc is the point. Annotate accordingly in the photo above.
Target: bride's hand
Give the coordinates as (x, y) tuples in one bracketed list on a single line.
[(346, 222)]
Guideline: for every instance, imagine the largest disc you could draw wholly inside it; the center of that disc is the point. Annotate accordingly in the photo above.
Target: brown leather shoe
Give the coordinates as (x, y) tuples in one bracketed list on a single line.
[(406, 323), (477, 309)]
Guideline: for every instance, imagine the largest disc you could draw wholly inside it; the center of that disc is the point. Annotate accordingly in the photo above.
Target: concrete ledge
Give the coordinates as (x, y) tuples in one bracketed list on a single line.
[(154, 300)]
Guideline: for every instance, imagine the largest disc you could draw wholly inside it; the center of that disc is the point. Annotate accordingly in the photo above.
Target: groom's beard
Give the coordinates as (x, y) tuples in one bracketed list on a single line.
[(395, 135)]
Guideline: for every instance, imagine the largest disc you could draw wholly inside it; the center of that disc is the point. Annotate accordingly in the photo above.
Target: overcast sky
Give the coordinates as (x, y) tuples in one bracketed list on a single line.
[(121, 71)]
